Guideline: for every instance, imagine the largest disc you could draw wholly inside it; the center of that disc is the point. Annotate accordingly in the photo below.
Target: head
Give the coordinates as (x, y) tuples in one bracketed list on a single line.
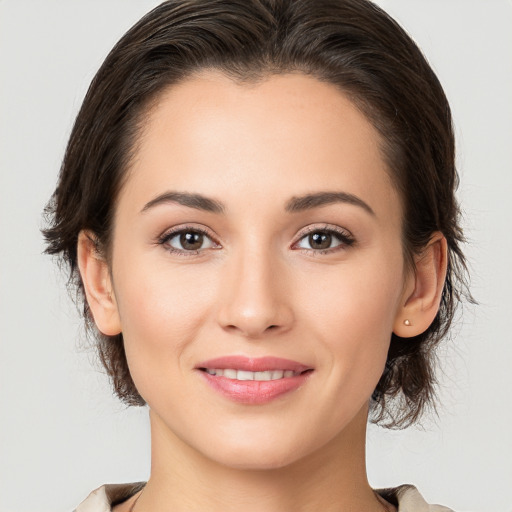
[(349, 48)]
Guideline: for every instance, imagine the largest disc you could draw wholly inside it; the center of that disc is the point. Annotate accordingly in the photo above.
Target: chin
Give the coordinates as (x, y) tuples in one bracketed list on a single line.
[(256, 460), (255, 453)]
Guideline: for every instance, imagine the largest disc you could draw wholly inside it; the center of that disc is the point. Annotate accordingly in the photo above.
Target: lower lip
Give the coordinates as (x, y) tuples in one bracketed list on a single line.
[(255, 391)]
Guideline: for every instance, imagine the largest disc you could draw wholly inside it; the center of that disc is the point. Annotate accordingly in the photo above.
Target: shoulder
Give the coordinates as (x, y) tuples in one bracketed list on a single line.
[(106, 496), (408, 499)]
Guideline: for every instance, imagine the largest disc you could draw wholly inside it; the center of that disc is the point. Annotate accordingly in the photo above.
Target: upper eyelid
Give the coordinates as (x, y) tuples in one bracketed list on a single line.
[(172, 232), (325, 228)]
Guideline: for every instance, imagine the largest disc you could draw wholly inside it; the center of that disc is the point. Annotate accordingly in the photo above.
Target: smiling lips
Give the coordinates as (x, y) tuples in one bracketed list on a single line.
[(231, 373), (253, 381)]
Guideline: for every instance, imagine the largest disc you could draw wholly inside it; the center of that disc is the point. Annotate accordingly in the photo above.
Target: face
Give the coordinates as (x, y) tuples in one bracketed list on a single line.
[(258, 236)]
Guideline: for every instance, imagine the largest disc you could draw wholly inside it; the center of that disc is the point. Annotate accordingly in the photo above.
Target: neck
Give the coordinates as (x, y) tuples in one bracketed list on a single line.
[(331, 479)]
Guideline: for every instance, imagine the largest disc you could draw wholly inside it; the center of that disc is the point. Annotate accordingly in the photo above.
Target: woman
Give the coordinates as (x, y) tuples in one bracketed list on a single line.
[(257, 207)]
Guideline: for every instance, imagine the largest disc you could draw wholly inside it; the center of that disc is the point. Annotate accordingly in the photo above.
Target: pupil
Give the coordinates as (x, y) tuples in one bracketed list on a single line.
[(192, 241), (320, 240)]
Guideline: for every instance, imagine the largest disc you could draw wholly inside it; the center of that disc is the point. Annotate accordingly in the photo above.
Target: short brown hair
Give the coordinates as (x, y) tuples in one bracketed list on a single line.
[(350, 43)]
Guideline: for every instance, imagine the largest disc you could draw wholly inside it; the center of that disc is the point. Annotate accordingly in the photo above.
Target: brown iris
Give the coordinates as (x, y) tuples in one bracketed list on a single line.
[(320, 240), (191, 240)]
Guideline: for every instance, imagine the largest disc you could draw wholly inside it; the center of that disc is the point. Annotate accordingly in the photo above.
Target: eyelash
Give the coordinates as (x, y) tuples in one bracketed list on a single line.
[(344, 237), (169, 235)]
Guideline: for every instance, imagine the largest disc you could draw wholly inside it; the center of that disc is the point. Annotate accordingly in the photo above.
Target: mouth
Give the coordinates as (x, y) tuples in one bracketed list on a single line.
[(266, 375), (254, 381)]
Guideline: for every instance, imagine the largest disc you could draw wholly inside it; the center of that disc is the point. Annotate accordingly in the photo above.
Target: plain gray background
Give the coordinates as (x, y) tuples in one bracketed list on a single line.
[(62, 433)]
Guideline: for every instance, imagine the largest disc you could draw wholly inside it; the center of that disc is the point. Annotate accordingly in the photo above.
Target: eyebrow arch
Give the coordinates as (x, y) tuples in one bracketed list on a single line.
[(308, 201), (196, 201)]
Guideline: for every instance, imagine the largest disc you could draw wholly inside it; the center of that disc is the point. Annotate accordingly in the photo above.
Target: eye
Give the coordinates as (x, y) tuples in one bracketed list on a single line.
[(187, 240), (325, 240)]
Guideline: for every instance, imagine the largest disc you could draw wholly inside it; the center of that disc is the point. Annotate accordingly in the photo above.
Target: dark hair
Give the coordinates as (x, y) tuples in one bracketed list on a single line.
[(352, 44)]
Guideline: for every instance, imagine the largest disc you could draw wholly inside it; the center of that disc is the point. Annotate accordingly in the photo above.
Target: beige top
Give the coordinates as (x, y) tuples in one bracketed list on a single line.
[(406, 497)]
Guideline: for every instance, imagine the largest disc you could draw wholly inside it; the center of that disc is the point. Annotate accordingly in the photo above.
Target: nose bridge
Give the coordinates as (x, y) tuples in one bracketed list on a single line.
[(255, 300)]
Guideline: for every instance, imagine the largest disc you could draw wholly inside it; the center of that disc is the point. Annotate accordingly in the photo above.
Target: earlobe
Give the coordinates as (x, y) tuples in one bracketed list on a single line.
[(97, 282), (423, 292)]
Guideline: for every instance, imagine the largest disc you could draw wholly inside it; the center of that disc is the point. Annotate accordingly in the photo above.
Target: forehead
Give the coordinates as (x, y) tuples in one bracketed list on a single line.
[(282, 136)]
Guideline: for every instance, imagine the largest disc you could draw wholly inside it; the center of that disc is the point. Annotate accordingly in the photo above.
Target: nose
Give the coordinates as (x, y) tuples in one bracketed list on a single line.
[(255, 301)]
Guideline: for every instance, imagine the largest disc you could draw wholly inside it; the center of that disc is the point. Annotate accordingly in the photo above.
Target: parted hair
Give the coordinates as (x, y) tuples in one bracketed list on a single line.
[(352, 44)]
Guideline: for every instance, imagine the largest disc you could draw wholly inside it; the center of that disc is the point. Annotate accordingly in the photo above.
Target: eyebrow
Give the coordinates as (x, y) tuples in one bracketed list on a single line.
[(293, 205), (309, 201), (197, 201)]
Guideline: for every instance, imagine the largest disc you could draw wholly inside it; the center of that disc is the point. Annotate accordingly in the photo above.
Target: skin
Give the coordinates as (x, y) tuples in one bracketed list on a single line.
[(257, 287)]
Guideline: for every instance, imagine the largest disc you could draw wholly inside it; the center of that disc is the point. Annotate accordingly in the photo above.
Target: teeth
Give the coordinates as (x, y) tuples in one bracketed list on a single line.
[(263, 375), (230, 374), (245, 375)]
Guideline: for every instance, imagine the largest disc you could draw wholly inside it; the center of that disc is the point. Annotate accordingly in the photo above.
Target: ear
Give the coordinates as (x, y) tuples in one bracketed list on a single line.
[(98, 285), (423, 289)]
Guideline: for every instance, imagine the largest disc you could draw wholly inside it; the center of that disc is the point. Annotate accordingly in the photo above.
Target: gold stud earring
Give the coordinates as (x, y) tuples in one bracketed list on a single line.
[(407, 322)]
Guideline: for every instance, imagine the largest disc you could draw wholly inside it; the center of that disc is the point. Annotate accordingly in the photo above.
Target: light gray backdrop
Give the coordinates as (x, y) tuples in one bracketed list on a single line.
[(61, 432)]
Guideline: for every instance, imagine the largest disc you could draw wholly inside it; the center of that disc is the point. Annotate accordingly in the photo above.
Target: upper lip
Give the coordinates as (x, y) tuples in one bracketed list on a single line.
[(253, 364)]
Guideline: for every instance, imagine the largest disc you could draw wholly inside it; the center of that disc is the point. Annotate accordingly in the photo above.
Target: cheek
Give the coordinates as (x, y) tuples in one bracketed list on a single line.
[(154, 295), (356, 298), (162, 312), (353, 314)]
